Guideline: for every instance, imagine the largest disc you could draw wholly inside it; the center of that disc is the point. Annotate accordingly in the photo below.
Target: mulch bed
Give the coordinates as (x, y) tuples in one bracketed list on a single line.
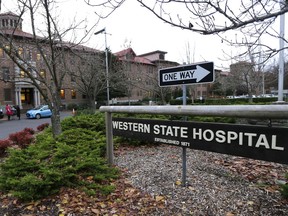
[(150, 184)]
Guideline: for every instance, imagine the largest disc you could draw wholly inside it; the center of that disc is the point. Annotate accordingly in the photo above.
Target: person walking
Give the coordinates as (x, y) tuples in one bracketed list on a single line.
[(9, 112), (18, 112)]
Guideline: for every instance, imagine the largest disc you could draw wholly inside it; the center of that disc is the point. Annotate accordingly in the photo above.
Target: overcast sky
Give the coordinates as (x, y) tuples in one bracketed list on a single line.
[(134, 24)]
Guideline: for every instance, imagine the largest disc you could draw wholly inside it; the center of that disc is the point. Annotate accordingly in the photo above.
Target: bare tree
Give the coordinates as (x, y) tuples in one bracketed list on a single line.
[(207, 16), (48, 74), (89, 74), (163, 93), (244, 75), (252, 19)]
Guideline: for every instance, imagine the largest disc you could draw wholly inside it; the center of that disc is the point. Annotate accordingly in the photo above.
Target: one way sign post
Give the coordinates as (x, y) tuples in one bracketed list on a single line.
[(188, 74)]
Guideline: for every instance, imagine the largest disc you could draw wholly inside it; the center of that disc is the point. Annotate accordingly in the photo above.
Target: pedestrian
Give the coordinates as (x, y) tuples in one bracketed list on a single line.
[(9, 111), (18, 112)]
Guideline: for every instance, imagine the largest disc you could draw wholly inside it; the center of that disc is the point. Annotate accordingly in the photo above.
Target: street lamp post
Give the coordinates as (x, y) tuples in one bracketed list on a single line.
[(106, 62), (281, 54)]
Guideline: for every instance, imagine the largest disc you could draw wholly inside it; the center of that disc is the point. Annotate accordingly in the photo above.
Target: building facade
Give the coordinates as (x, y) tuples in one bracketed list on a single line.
[(16, 87), (142, 74)]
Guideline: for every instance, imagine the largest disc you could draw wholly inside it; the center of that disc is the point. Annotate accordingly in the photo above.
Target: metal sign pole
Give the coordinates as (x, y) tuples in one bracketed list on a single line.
[(109, 138), (184, 158)]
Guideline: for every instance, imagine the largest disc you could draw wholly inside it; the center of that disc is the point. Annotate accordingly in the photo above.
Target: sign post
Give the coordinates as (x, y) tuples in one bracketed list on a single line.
[(188, 74), (197, 73)]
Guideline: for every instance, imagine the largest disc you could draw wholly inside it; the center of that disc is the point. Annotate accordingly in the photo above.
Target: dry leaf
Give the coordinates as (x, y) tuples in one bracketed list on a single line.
[(30, 207), (64, 201), (159, 198), (250, 203), (95, 211), (102, 205), (178, 182)]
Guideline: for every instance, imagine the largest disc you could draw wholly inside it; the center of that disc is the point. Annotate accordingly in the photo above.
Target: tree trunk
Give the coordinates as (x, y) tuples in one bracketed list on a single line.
[(56, 122)]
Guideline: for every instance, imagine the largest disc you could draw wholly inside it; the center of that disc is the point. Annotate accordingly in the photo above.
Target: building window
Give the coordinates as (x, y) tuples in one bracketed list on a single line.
[(1, 53), (22, 74), (62, 94), (28, 55), (150, 70), (7, 48), (7, 94), (20, 51), (6, 74), (31, 72), (38, 56), (84, 96), (139, 93), (73, 94), (43, 73), (73, 79)]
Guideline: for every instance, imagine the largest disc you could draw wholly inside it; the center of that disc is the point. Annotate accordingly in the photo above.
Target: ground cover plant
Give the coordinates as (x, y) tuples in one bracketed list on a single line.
[(74, 159)]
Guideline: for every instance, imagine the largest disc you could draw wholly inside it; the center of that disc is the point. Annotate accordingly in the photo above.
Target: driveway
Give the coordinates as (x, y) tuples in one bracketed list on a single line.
[(15, 125)]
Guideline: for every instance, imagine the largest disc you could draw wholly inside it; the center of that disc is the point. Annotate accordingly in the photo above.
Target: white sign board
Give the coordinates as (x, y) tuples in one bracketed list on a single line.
[(187, 74)]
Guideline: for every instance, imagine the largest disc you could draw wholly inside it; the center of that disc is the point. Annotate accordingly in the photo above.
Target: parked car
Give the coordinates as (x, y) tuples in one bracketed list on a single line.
[(41, 111), (3, 111), (181, 98)]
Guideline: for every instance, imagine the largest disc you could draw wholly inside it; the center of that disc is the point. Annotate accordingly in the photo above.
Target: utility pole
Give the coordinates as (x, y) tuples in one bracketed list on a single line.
[(107, 66)]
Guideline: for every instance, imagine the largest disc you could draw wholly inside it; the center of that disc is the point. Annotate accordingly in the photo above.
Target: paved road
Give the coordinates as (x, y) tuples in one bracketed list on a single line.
[(15, 125)]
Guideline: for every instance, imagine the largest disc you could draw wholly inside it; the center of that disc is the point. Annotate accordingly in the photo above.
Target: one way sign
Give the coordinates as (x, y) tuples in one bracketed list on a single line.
[(187, 74)]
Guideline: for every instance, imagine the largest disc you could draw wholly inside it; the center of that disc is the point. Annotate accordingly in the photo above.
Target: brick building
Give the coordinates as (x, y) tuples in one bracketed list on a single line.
[(142, 74), (16, 88)]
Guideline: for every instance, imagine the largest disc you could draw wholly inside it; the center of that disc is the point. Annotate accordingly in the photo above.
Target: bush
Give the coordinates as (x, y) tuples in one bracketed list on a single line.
[(29, 130), (72, 106), (4, 144), (74, 159), (284, 188), (93, 122), (42, 126), (22, 138)]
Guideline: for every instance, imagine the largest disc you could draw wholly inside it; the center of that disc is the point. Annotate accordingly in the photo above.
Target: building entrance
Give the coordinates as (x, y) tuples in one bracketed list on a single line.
[(27, 97)]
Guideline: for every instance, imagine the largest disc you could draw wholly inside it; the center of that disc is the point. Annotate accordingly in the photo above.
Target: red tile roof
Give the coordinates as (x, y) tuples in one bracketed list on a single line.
[(123, 53), (137, 59), (153, 52)]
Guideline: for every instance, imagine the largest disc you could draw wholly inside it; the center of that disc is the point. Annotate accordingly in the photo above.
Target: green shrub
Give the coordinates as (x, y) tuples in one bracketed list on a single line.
[(94, 122), (72, 106), (85, 111), (68, 161), (212, 119), (284, 188)]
